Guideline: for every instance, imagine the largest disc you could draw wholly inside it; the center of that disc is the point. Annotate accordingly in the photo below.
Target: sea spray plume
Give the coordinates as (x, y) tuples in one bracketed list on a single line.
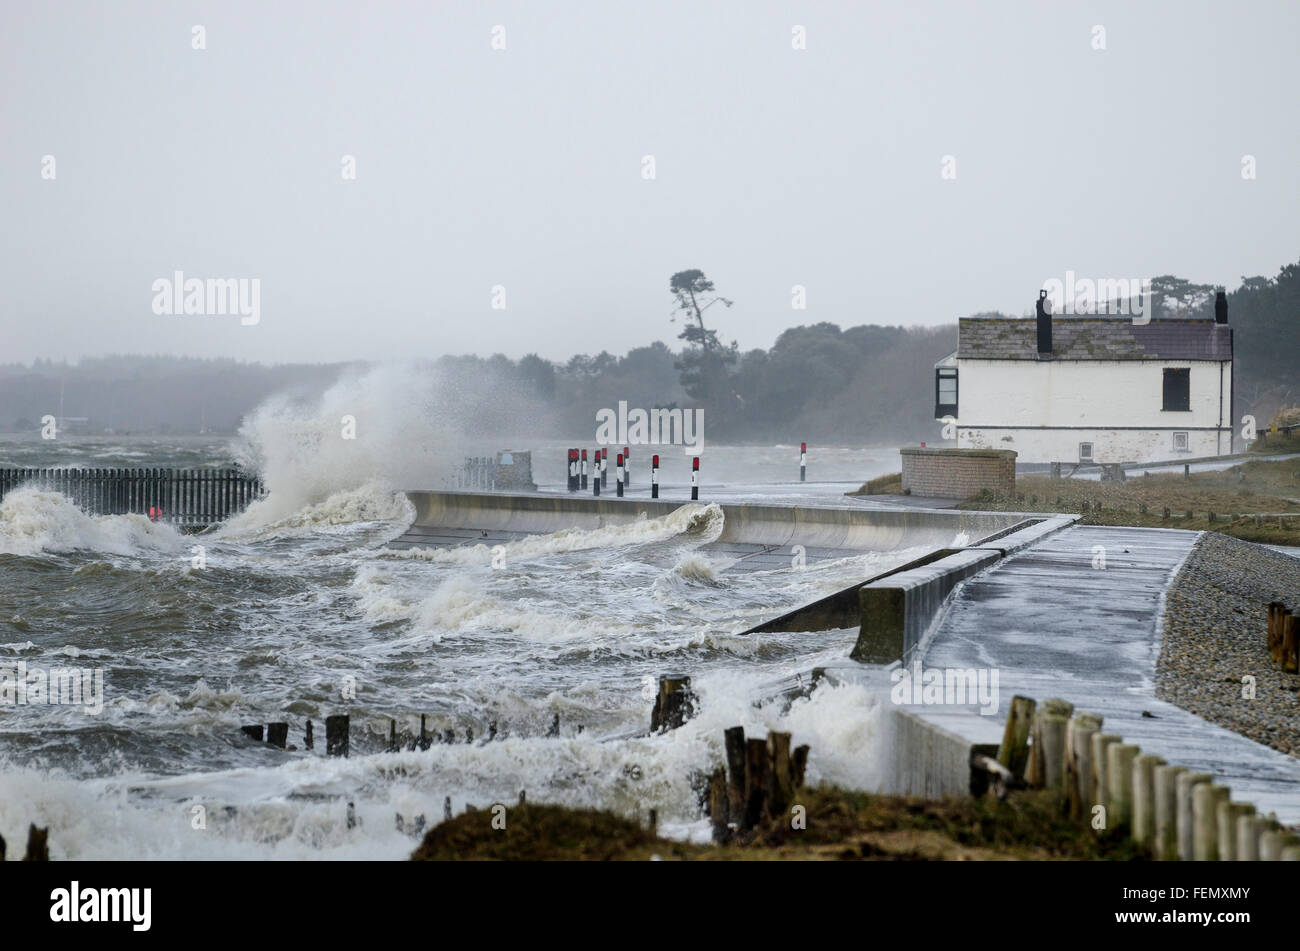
[(379, 427)]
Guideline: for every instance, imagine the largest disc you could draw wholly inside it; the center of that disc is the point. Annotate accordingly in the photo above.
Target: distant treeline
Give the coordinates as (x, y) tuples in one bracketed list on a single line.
[(864, 385)]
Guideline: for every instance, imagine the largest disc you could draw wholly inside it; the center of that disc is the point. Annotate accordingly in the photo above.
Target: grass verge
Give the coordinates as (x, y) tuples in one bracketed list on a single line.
[(1225, 502), (840, 825)]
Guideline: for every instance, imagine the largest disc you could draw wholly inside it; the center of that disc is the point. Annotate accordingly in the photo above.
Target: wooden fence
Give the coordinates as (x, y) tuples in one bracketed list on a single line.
[(179, 496), (1116, 789)]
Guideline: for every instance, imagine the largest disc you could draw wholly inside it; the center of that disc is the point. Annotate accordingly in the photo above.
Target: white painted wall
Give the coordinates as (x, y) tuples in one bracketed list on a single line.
[(1099, 397)]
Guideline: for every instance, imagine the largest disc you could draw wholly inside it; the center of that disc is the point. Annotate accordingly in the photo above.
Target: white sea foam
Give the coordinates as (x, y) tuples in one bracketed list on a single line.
[(571, 627), (373, 501), (35, 521), (296, 808)]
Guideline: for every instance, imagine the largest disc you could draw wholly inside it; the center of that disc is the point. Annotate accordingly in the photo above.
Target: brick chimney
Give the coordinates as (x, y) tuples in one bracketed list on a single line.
[(1220, 308)]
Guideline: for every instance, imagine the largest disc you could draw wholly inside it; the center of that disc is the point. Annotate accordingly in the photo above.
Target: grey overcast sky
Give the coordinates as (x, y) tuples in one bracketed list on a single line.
[(523, 167)]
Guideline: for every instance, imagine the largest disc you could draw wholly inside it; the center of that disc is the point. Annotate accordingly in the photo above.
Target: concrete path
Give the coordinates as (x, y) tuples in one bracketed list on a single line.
[(1053, 625), (1135, 470)]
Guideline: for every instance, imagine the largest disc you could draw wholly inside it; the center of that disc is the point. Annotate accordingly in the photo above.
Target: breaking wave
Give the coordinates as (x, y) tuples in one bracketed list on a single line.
[(37, 521), (373, 431), (700, 523)]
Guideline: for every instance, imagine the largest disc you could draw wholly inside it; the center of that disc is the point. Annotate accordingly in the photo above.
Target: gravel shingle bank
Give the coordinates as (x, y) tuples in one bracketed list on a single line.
[(1215, 634)]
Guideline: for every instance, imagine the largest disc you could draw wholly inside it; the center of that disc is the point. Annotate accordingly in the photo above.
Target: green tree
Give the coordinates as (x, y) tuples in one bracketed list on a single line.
[(704, 365), (1178, 298)]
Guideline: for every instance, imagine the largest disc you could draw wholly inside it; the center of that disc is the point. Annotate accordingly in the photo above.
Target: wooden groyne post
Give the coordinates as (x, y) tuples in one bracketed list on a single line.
[(674, 703), (1167, 809)]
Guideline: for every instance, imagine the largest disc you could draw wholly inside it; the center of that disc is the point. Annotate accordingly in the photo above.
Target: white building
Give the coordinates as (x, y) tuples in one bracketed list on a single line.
[(1090, 389)]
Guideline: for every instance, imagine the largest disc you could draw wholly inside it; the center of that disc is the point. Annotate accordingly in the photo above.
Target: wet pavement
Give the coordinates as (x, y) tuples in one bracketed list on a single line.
[(1058, 621)]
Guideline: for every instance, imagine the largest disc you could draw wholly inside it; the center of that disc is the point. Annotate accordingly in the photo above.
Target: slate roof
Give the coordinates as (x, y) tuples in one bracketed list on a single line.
[(1093, 338)]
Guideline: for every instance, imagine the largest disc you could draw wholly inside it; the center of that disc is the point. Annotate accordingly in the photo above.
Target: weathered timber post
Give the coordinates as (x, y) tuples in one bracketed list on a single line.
[(1274, 842), (1276, 611), (1227, 815), (1144, 799), (337, 729), (1014, 751), (734, 739), (1119, 778), (1166, 805), (799, 765), (38, 844), (719, 805), (674, 705), (1205, 824), (277, 734), (1051, 736), (1187, 783), (254, 731), (1290, 644), (1100, 786), (1250, 828), (1078, 763), (780, 785), (755, 782), (308, 741)]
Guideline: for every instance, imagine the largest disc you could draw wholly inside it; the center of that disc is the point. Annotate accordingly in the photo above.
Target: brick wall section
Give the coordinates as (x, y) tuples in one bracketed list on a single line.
[(958, 473)]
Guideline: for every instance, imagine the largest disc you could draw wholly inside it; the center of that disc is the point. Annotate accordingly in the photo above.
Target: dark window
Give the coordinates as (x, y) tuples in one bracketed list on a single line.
[(945, 392), (1085, 452), (1178, 392)]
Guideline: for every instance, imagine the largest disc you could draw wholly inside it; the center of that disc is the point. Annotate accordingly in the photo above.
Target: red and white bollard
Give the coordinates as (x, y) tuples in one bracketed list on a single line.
[(584, 469), (803, 461), (654, 477), (627, 465), (595, 472), (604, 464), (619, 473), (695, 479), (573, 470)]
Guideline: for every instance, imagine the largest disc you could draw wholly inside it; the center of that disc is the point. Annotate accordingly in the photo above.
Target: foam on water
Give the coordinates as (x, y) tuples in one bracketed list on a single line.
[(297, 809), (299, 594), (373, 501), (35, 521)]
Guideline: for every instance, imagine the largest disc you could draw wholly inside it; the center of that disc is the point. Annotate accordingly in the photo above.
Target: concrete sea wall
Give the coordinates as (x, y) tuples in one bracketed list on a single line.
[(744, 523)]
